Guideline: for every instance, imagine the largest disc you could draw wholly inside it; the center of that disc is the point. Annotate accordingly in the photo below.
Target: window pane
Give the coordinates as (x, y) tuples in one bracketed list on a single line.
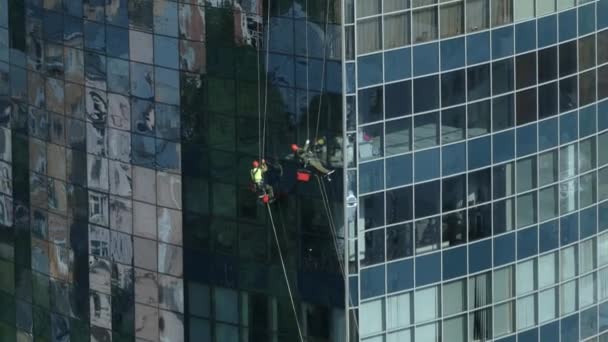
[(395, 5), (568, 262), (547, 307), (454, 297), (396, 30), (429, 332), (456, 329), (526, 174), (480, 290), (568, 297), (503, 283), (587, 290), (426, 304), (480, 325), (548, 203), (526, 312), (369, 35), (477, 15), (398, 311), (563, 4), (526, 209), (502, 12), (524, 9), (526, 272), (398, 136), (602, 247), (424, 25), (548, 274), (545, 7), (547, 167), (452, 20), (503, 319), (586, 256), (371, 316), (368, 7)]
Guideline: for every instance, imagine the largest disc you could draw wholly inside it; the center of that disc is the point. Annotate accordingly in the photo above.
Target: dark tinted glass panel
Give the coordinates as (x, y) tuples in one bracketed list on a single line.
[(426, 93), (454, 190), (454, 228), (427, 199), (478, 118), (427, 234), (502, 76), (587, 88), (453, 159), (602, 76), (567, 58), (602, 47), (480, 222), (547, 100), (478, 48), (453, 88), (452, 53), (526, 70), (568, 96), (398, 99), (399, 243), (480, 153), (372, 210), (586, 52), (370, 105), (547, 64), (478, 82), (374, 247), (453, 124), (503, 113), (399, 170), (526, 106), (479, 186), (399, 205), (504, 249)]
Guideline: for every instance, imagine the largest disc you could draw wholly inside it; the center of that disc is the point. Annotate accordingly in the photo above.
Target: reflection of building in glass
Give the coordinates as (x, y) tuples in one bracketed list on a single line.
[(126, 134)]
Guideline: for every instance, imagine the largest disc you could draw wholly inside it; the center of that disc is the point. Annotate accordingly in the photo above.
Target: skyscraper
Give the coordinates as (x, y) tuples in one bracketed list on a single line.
[(479, 131), (469, 140)]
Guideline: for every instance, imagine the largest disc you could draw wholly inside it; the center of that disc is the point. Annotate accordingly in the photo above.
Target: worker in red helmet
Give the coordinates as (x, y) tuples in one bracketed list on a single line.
[(306, 156), (258, 172)]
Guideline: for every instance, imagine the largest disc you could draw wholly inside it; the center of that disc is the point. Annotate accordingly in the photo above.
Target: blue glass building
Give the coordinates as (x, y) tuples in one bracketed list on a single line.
[(476, 171)]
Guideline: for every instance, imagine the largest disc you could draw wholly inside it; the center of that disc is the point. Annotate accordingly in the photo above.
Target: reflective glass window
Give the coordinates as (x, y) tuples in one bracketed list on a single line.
[(424, 24), (477, 14), (426, 130)]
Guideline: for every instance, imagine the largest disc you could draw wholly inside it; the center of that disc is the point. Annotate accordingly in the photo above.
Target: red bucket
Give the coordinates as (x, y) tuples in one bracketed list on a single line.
[(303, 175)]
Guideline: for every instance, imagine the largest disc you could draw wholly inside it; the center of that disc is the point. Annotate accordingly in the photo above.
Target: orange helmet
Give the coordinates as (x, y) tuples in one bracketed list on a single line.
[(294, 147), (255, 163)]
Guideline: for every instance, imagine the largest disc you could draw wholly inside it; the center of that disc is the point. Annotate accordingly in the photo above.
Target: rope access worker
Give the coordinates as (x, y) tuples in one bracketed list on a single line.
[(263, 189), (308, 156)]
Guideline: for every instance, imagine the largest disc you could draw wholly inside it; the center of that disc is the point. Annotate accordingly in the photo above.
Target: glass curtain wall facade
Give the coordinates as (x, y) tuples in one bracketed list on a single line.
[(127, 131), (476, 146)]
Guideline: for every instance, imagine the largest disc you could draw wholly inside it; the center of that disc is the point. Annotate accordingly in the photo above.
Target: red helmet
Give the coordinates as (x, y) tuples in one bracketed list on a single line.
[(255, 163), (294, 147)]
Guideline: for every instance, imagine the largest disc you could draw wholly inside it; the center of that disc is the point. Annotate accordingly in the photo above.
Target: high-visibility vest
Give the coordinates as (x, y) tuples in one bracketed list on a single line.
[(257, 174)]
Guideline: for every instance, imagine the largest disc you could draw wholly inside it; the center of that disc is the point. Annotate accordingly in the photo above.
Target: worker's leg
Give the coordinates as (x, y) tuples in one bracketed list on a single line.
[(269, 190), (316, 163)]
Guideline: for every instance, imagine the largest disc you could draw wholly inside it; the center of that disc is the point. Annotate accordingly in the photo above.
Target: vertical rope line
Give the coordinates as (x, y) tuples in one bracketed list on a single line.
[(323, 66), (266, 79), (259, 88), (293, 305), (307, 74)]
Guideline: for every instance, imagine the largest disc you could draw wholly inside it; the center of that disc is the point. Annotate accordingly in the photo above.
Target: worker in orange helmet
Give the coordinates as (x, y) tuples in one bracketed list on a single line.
[(264, 189), (307, 157)]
